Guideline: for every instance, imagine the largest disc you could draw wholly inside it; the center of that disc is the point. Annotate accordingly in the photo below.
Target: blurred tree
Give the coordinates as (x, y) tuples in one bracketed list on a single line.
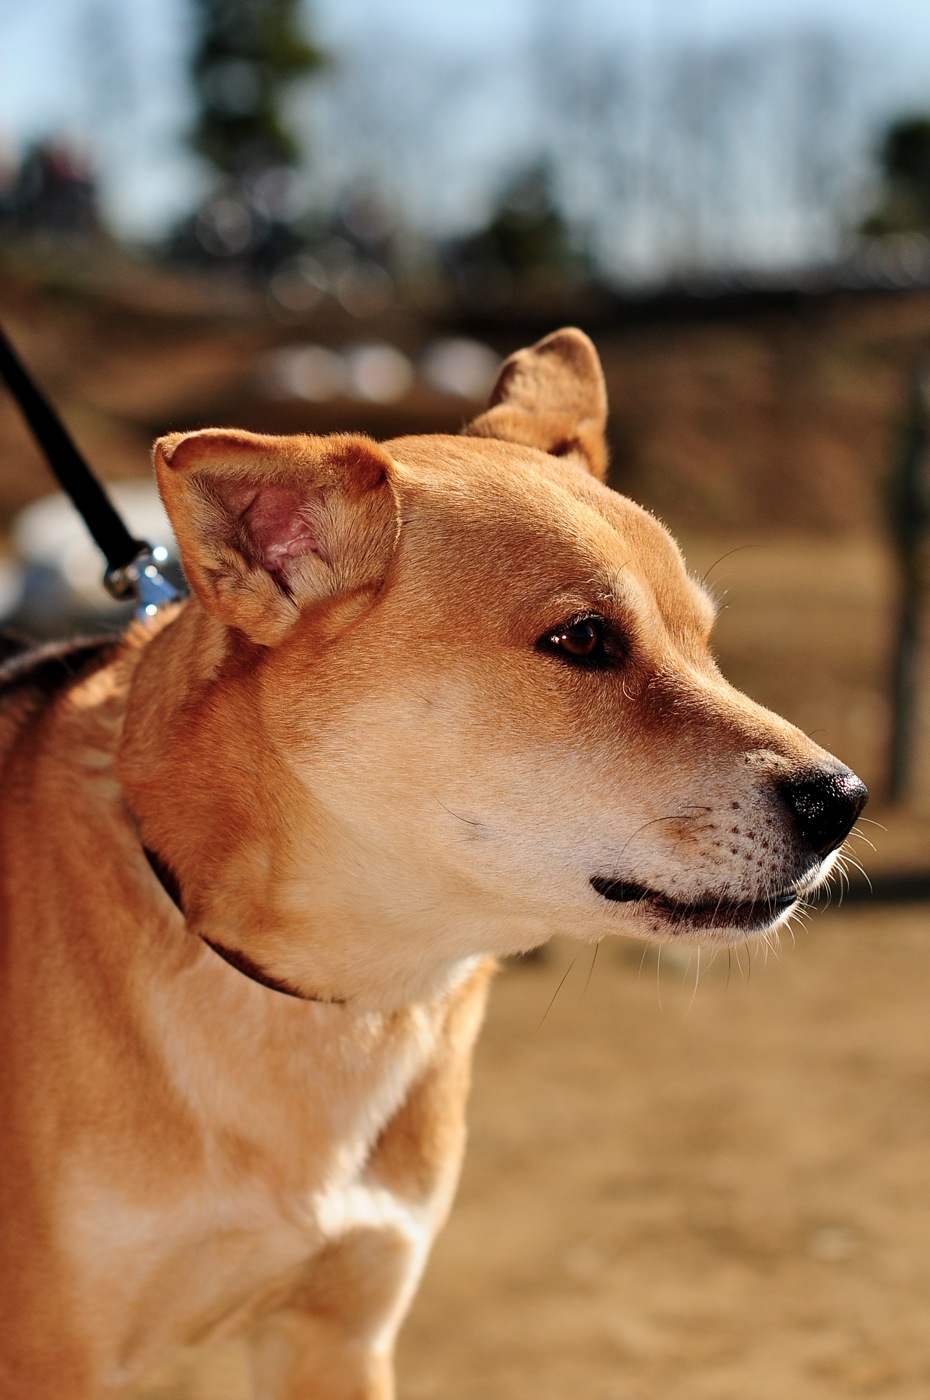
[(246, 54), (526, 243), (528, 232), (904, 161)]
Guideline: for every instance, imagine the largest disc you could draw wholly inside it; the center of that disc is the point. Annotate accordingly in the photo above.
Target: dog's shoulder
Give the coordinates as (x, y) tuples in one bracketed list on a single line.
[(40, 672), (31, 675)]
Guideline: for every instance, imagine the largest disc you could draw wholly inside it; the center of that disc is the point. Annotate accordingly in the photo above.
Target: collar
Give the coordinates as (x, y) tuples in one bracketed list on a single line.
[(240, 961)]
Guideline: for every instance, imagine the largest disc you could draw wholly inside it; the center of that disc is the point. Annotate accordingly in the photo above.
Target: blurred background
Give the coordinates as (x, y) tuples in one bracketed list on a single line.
[(296, 217)]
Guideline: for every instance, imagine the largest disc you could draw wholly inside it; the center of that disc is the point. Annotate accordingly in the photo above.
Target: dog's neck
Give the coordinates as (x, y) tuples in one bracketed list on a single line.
[(183, 785), (172, 888), (237, 838)]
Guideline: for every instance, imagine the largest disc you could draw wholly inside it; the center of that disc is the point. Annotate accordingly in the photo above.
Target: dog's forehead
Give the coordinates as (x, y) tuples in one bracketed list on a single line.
[(483, 507), (507, 495)]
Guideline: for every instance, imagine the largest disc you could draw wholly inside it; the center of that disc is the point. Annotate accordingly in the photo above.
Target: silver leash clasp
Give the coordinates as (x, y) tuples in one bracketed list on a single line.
[(142, 580)]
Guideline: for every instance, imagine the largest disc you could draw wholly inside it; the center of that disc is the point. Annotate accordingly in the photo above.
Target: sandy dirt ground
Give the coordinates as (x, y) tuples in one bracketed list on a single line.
[(683, 1189)]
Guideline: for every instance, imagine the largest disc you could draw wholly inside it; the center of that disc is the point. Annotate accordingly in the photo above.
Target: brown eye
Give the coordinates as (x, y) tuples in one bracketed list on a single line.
[(580, 641)]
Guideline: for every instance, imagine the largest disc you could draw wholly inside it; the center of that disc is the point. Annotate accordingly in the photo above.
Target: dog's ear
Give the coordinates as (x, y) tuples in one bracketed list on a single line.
[(552, 396), (270, 525)]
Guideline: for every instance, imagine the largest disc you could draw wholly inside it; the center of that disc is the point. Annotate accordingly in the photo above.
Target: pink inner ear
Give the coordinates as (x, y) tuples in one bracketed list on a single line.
[(277, 522)]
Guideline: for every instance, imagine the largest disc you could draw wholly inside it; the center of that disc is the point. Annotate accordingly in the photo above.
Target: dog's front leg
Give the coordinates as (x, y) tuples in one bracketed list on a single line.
[(301, 1357), (335, 1341)]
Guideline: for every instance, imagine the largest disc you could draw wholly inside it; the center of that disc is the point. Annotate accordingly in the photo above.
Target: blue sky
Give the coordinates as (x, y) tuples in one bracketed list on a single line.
[(127, 97)]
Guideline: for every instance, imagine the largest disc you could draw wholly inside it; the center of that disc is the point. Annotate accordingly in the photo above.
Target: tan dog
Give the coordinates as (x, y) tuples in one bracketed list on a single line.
[(432, 701)]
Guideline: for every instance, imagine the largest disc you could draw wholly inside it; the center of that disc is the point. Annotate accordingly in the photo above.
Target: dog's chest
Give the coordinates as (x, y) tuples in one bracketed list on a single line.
[(274, 1177)]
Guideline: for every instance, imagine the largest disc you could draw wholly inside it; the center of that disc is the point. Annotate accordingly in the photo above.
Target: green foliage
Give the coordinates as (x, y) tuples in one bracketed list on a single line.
[(246, 53), (904, 160), (527, 232)]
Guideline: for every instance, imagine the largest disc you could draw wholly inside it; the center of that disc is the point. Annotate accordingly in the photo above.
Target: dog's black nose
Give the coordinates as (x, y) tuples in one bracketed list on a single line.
[(824, 805)]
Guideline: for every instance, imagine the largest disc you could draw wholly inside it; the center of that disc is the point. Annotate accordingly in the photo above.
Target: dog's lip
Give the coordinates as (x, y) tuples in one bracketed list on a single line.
[(711, 911)]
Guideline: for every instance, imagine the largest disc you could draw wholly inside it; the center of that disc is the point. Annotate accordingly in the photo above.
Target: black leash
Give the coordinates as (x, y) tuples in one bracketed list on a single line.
[(132, 565)]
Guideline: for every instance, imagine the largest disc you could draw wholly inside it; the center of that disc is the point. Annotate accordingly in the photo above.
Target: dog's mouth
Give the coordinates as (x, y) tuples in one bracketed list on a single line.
[(750, 916)]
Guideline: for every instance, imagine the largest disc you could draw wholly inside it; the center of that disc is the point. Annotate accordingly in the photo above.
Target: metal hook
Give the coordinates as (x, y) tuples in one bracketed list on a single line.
[(142, 580)]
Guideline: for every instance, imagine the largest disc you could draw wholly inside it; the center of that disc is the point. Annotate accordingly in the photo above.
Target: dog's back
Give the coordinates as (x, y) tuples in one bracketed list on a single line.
[(33, 675)]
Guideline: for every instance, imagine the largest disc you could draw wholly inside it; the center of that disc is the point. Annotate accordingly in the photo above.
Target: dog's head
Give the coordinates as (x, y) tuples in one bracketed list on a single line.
[(451, 695)]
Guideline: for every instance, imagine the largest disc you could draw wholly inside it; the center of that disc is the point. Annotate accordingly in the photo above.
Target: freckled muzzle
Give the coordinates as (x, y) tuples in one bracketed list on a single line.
[(823, 805)]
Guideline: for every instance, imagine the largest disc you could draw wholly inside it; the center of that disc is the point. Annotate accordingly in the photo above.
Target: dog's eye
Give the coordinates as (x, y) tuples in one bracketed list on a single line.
[(581, 641)]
